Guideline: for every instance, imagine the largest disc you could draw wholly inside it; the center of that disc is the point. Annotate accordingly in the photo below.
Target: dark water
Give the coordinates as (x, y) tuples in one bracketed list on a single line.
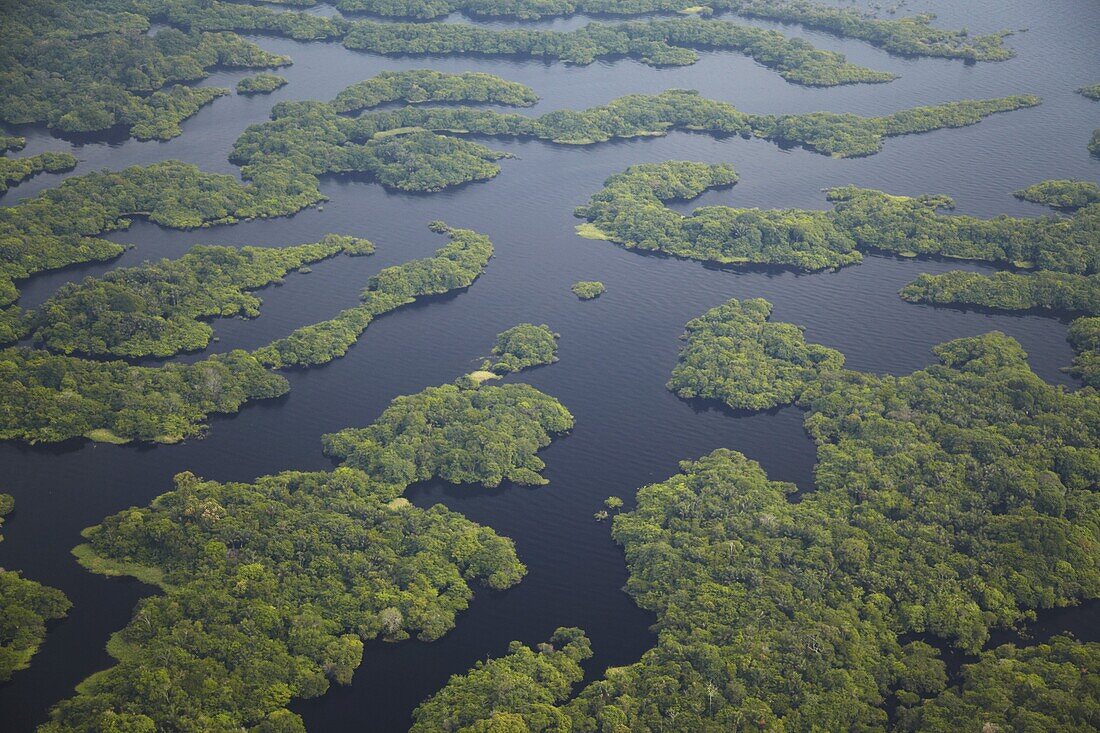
[(616, 352)]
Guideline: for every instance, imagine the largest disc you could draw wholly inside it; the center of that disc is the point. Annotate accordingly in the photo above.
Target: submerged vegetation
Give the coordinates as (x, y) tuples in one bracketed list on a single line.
[(271, 588), (156, 309), (453, 266), (948, 502), (261, 84), (521, 347), (25, 608), (14, 171), (630, 211), (735, 354)]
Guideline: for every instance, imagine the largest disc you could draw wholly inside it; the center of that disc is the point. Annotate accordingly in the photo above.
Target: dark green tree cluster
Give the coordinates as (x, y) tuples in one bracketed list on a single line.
[(1052, 686), (1094, 142), (261, 84), (49, 398), (631, 211), (1092, 91), (948, 502), (910, 36), (14, 171), (424, 85), (588, 289), (733, 353), (156, 309), (521, 347), (11, 142), (458, 434), (25, 607), (453, 266), (515, 693), (1084, 336), (57, 228), (271, 588), (88, 67), (1061, 292), (1061, 194)]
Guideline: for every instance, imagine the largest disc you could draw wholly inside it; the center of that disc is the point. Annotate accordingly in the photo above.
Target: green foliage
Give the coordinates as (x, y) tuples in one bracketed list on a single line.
[(735, 354), (1062, 194), (86, 68), (631, 211), (458, 434), (14, 171), (526, 684), (454, 266), (1094, 142), (11, 142), (1084, 336), (50, 398), (424, 85), (25, 607), (523, 346), (56, 228), (1047, 687), (1092, 91), (950, 501), (156, 309), (1056, 291), (271, 588), (910, 36), (260, 84), (588, 289)]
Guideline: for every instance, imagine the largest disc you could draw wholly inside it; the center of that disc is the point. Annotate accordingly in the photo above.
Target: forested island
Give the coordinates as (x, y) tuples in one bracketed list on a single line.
[(630, 211), (27, 607), (588, 289), (948, 502), (735, 354), (272, 588), (261, 84), (521, 347), (158, 308), (1061, 194), (416, 148), (420, 86)]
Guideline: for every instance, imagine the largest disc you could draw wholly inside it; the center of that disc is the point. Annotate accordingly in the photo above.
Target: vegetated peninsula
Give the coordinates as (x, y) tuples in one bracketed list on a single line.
[(521, 347), (588, 289), (421, 149), (57, 227), (262, 624), (1063, 194), (14, 171), (419, 86), (630, 211), (909, 36), (25, 608), (452, 267), (158, 308), (53, 398), (735, 354), (948, 502), (91, 67), (657, 43), (261, 84)]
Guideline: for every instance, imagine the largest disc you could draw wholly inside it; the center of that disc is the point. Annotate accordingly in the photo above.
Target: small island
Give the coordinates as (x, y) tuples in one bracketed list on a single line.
[(588, 289), (521, 347), (1069, 195), (261, 84)]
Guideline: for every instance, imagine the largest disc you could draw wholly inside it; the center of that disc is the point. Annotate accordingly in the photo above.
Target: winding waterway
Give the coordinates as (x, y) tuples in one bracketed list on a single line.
[(616, 352)]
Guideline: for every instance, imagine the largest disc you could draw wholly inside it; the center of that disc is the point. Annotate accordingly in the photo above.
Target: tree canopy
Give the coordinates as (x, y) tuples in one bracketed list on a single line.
[(523, 346)]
